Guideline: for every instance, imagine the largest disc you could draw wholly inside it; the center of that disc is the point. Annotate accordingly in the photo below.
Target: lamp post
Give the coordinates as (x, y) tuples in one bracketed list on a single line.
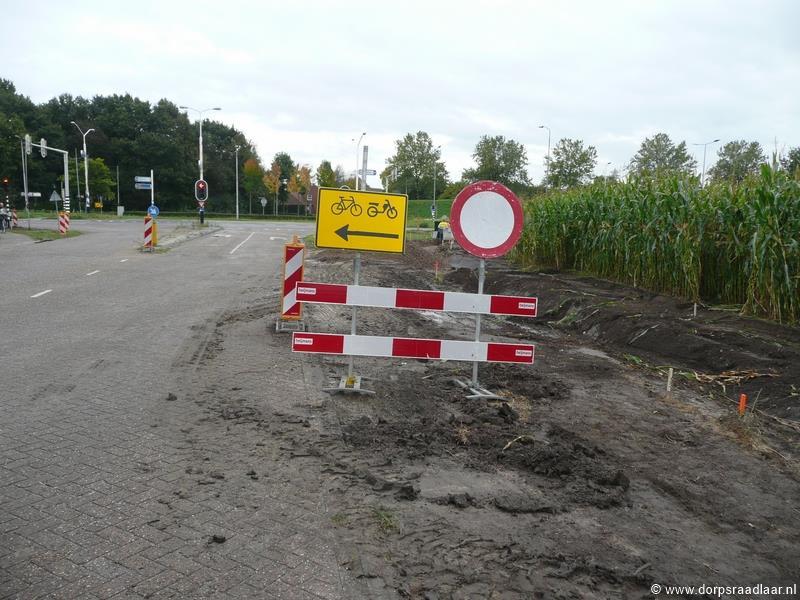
[(237, 182), (705, 145), (438, 148), (85, 162), (200, 119), (547, 172), (358, 145)]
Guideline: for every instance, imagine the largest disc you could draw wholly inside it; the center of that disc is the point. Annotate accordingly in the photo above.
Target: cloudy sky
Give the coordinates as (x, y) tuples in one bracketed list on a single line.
[(307, 76)]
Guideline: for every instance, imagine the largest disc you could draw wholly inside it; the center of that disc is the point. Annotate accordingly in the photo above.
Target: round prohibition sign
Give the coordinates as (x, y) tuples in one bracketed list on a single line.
[(486, 219)]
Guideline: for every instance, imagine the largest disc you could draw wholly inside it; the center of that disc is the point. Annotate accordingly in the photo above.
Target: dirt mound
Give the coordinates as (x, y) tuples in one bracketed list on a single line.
[(733, 353)]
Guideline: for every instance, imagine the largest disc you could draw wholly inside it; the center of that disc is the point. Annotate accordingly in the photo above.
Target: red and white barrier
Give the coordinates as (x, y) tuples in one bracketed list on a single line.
[(394, 347), (62, 224), (14, 220), (355, 295), (294, 254), (66, 220), (148, 232)]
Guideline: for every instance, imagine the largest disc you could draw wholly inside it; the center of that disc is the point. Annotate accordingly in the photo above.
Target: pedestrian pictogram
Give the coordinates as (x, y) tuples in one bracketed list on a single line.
[(353, 220)]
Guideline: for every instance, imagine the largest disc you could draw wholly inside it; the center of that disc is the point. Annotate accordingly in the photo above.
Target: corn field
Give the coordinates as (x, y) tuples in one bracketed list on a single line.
[(718, 244)]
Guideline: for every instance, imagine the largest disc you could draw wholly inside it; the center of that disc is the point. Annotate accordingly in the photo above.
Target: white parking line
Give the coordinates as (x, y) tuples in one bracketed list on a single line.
[(92, 273), (243, 243), (41, 293), (124, 260)]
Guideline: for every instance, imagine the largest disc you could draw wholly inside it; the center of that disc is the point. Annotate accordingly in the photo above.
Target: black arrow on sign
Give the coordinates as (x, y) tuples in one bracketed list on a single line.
[(344, 232)]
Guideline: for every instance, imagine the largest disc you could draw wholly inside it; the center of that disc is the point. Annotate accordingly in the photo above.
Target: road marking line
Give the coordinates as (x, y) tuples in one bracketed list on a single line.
[(243, 243), (41, 293), (124, 260), (92, 273)]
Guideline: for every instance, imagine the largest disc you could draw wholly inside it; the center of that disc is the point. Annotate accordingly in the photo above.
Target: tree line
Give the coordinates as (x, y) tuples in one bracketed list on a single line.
[(416, 167), (132, 136)]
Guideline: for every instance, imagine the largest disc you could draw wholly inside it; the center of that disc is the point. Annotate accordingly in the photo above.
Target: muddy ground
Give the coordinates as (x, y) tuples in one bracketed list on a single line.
[(586, 480)]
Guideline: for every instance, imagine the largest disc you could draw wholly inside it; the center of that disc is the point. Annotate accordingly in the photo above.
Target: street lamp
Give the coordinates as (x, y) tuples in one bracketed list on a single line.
[(438, 148), (358, 145), (237, 182), (200, 119), (548, 147), (85, 162), (705, 145)]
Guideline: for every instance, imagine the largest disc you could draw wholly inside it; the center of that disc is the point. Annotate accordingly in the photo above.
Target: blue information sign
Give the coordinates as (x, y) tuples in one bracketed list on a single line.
[(152, 210)]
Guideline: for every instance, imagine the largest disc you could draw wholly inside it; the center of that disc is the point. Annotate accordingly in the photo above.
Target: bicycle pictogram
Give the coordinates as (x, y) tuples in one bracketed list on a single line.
[(344, 204)]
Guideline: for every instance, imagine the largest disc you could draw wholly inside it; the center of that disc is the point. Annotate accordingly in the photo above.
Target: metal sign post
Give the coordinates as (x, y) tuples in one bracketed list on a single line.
[(352, 383), (486, 220)]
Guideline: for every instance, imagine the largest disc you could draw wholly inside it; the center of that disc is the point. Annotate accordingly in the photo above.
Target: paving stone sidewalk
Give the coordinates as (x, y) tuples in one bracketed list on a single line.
[(114, 484)]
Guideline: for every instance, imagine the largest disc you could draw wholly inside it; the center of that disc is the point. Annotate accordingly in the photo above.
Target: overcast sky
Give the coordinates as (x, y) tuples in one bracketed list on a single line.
[(306, 77)]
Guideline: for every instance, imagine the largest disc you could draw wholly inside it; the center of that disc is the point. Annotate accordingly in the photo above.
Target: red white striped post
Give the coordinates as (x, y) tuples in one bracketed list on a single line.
[(396, 347), (379, 297), (14, 220), (66, 220), (293, 257), (62, 224), (148, 232)]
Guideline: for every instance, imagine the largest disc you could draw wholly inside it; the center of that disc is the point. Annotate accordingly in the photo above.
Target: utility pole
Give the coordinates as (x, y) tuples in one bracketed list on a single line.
[(358, 145), (78, 179)]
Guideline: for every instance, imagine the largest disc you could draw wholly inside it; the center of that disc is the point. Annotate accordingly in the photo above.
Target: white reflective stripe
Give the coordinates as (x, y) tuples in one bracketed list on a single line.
[(472, 303), (294, 263), (360, 295), (367, 345), (461, 350), (289, 300)]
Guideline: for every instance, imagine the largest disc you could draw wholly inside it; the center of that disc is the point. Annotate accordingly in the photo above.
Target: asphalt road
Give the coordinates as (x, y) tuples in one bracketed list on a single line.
[(69, 303)]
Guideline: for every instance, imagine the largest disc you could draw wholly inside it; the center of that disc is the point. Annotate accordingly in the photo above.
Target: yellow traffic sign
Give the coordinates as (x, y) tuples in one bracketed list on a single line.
[(361, 220)]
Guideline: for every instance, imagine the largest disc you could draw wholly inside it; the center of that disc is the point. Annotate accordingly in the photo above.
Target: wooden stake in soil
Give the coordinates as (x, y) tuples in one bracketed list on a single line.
[(669, 380)]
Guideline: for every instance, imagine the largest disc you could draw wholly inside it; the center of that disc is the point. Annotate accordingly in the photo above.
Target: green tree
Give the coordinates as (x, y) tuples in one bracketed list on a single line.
[(736, 160), (272, 182), (102, 184), (252, 180), (415, 162), (325, 175), (658, 155), (791, 162), (501, 160), (570, 164)]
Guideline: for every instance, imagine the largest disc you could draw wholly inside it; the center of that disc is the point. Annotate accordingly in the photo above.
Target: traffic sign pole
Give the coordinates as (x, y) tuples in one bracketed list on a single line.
[(152, 189)]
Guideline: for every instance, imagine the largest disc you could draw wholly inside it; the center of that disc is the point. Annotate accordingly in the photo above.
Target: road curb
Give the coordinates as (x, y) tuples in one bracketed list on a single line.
[(172, 242)]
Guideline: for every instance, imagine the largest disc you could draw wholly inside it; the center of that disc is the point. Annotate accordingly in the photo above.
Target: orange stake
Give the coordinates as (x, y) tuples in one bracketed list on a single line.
[(742, 403)]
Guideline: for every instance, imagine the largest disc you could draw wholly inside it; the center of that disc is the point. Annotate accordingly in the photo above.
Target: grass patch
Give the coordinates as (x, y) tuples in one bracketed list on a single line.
[(385, 520), (45, 235), (339, 520)]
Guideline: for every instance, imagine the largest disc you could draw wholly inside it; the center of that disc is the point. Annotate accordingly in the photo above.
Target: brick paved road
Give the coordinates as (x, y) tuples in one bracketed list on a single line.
[(125, 442)]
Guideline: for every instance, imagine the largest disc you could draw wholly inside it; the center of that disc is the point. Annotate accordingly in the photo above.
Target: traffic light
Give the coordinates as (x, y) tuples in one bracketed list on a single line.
[(5, 184), (201, 190)]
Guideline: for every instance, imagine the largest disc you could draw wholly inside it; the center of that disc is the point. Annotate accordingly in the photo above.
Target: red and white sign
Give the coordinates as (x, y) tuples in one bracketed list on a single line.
[(201, 204), (355, 295), (486, 219), (394, 347), (294, 253), (148, 232)]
